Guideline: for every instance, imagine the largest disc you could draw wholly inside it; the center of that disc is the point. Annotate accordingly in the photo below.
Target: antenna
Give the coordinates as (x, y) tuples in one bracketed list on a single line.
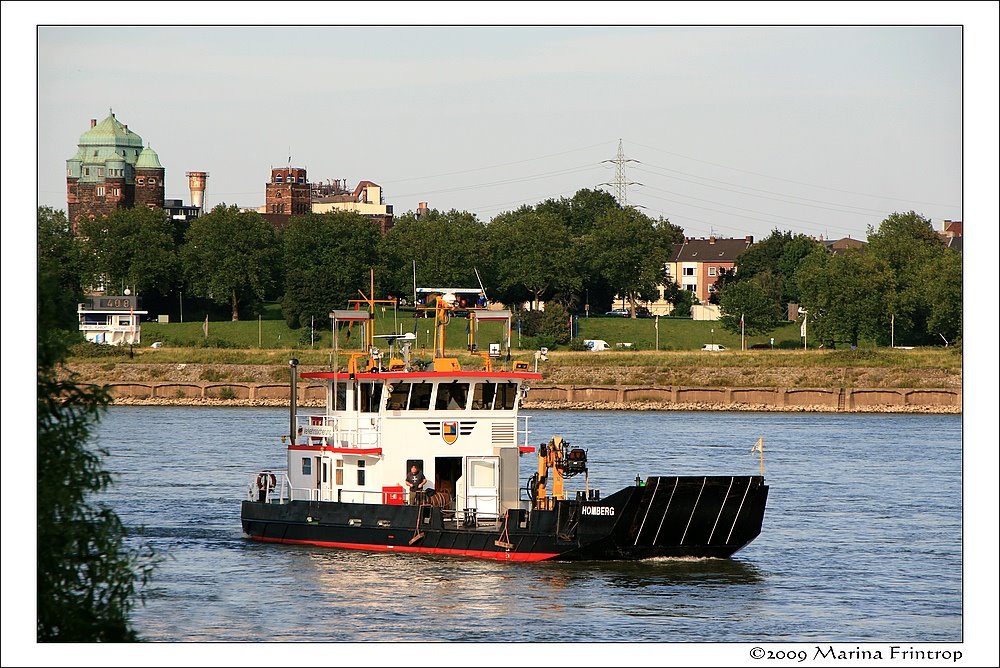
[(480, 284)]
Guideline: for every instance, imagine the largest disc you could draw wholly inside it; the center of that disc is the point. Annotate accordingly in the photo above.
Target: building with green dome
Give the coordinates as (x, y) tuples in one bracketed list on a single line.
[(112, 170)]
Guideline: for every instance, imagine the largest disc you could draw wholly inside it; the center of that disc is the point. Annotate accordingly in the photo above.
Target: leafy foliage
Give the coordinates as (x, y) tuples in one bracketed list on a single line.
[(772, 262), (749, 302), (908, 245), (87, 578), (446, 247), (846, 296), (532, 256), (60, 265), (231, 256), (629, 250), (327, 260), (134, 248)]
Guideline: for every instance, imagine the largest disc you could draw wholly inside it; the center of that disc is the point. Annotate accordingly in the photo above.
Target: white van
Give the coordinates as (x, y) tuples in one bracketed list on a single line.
[(713, 347), (596, 344)]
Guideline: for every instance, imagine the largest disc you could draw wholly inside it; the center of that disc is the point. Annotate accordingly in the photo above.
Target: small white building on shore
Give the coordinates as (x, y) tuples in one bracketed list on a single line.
[(113, 320)]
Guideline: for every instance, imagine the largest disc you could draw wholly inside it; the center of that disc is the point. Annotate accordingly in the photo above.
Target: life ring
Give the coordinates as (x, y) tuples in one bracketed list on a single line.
[(266, 481)]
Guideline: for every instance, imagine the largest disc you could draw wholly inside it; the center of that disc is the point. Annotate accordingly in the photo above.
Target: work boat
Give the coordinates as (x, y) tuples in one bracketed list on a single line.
[(345, 482)]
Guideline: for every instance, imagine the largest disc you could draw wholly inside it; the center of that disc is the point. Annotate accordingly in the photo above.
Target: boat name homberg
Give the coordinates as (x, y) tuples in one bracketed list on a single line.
[(598, 510)]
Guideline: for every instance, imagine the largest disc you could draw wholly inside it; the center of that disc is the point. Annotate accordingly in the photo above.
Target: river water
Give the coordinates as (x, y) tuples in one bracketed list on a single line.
[(862, 540)]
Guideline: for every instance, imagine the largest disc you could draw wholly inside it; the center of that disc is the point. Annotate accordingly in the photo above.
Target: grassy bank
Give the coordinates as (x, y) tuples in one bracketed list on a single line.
[(930, 367), (270, 332)]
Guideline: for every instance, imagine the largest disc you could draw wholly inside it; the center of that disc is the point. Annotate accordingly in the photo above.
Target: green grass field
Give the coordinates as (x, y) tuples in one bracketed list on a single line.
[(271, 332)]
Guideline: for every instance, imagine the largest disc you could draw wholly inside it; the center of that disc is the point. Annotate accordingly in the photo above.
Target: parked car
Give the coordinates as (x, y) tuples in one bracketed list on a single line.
[(713, 347), (620, 313)]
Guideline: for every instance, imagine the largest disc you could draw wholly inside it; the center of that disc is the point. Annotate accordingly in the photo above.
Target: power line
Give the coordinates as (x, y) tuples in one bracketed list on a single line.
[(801, 183)]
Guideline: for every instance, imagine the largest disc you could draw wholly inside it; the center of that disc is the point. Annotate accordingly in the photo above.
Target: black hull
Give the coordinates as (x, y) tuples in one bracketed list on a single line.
[(712, 516)]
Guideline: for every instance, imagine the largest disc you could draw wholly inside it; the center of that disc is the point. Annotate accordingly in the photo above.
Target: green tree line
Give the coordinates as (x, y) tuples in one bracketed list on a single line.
[(565, 250), (903, 287)]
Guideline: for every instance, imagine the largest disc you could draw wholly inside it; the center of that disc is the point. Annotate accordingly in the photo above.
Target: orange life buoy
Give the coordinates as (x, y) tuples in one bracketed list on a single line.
[(266, 481)]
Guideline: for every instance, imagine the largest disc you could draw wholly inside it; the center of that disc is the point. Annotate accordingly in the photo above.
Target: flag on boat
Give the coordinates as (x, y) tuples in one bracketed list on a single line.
[(204, 327), (758, 446)]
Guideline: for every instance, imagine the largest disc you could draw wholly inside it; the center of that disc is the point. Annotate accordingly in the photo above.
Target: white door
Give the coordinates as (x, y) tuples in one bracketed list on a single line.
[(482, 476)]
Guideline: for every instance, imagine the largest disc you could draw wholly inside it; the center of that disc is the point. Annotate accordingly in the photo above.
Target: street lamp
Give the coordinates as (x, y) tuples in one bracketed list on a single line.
[(803, 332)]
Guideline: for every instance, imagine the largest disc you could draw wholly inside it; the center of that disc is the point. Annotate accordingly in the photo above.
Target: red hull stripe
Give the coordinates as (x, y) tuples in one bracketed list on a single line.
[(328, 448), (480, 554)]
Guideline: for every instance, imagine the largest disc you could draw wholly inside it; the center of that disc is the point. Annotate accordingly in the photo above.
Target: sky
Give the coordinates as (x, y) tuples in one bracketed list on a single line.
[(725, 130), (814, 118)]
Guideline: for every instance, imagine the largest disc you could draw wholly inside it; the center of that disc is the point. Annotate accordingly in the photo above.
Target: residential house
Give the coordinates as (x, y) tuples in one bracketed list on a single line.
[(695, 266)]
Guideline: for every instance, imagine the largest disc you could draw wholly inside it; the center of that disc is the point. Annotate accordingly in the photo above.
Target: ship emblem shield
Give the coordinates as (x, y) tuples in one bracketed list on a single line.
[(449, 432)]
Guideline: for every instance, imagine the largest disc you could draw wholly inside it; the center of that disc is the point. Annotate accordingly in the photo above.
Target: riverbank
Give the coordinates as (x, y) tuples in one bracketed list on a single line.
[(528, 404), (816, 381)]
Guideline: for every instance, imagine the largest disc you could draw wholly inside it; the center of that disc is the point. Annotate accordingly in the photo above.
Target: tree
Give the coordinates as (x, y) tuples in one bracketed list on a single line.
[(847, 296), (943, 280), (715, 290), (132, 248), (447, 248), (747, 307), (682, 301), (773, 261), (60, 265), (580, 212), (327, 260), (908, 245), (630, 250), (87, 579), (532, 256), (229, 255)]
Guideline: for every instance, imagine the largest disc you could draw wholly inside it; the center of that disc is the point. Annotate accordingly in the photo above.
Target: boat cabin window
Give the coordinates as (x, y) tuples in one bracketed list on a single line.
[(483, 474), (306, 466), (420, 396), (398, 393), (339, 396), (361, 473), (369, 397), (506, 395), (483, 395), (451, 396)]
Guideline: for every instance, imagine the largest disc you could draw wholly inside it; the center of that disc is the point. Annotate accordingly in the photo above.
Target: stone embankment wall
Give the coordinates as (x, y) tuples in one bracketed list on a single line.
[(584, 397)]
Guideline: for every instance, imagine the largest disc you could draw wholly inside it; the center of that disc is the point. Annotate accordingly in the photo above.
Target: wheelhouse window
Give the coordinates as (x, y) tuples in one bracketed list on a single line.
[(420, 396), (451, 396), (506, 395), (369, 397), (339, 396), (398, 394), (483, 395)]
